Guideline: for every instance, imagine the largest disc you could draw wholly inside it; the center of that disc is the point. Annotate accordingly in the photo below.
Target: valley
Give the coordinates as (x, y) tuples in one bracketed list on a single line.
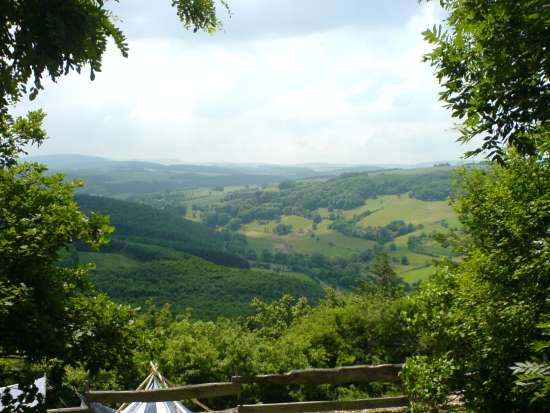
[(212, 249), (262, 206)]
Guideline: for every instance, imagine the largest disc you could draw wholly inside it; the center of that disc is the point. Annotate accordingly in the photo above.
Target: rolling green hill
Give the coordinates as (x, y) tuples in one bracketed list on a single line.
[(157, 255), (428, 216), (342, 217), (137, 224), (330, 229), (132, 219)]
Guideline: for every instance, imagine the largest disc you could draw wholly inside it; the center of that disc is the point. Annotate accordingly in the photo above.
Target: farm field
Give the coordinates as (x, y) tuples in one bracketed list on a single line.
[(303, 239), (412, 266), (388, 208)]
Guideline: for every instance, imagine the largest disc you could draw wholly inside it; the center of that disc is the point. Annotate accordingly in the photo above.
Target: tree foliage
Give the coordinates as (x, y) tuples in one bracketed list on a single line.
[(493, 61), (210, 290), (535, 374), (477, 318), (482, 313), (39, 217), (280, 336), (16, 133), (50, 314)]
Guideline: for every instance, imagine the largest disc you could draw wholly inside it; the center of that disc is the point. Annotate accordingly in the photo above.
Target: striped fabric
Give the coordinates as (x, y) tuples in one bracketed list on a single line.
[(155, 407)]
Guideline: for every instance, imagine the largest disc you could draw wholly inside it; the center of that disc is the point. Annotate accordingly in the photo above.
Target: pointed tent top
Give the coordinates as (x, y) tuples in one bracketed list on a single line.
[(154, 380)]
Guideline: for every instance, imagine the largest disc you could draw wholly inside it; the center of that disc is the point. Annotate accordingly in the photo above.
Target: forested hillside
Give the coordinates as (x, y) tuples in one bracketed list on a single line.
[(159, 256), (146, 225), (333, 228), (188, 282), (344, 192)]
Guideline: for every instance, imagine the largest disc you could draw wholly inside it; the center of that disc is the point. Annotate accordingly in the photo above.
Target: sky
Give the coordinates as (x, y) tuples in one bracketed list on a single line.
[(287, 81)]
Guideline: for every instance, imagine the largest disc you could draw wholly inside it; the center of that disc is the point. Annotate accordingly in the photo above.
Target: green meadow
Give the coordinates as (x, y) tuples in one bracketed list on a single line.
[(432, 216)]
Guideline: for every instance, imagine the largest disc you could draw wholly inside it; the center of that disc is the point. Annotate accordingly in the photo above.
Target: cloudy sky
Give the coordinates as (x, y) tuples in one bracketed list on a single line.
[(289, 81)]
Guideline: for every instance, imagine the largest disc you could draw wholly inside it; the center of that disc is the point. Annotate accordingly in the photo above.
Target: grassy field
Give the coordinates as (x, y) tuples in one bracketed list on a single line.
[(392, 207), (206, 196), (303, 238), (417, 274), (434, 216)]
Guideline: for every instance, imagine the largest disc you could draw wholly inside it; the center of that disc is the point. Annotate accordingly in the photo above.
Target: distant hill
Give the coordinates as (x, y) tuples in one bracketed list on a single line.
[(126, 178), (346, 191), (69, 161), (118, 178)]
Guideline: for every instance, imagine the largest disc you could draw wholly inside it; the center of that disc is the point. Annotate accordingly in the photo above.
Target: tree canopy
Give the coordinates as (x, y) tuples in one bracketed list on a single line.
[(479, 318), (493, 61), (51, 314)]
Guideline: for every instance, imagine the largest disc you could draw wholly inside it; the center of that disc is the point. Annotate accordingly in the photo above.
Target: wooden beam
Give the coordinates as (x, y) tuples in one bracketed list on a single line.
[(202, 405), (194, 391), (298, 407), (339, 375), (80, 409)]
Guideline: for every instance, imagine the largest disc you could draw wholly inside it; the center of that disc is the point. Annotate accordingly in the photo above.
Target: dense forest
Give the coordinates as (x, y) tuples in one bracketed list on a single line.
[(146, 225), (208, 291), (159, 256)]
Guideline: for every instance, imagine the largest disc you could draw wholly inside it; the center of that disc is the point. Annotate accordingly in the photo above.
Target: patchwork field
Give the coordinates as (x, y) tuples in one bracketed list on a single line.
[(421, 204), (433, 216), (303, 238)]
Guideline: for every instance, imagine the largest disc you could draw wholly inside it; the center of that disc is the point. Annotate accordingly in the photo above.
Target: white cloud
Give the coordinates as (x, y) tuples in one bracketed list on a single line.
[(347, 93)]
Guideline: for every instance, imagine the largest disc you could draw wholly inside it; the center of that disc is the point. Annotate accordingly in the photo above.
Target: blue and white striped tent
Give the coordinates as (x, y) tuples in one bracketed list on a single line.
[(154, 381)]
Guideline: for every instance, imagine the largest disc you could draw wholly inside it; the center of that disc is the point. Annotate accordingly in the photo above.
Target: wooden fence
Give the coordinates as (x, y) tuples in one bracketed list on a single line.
[(338, 375), (335, 376)]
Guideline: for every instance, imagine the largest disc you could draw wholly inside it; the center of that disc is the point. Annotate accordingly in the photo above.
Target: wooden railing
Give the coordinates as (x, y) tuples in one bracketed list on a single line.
[(338, 375), (326, 406), (193, 391), (335, 376)]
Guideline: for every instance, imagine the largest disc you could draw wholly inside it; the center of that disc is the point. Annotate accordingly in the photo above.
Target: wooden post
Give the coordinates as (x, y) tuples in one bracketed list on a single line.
[(204, 406)]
